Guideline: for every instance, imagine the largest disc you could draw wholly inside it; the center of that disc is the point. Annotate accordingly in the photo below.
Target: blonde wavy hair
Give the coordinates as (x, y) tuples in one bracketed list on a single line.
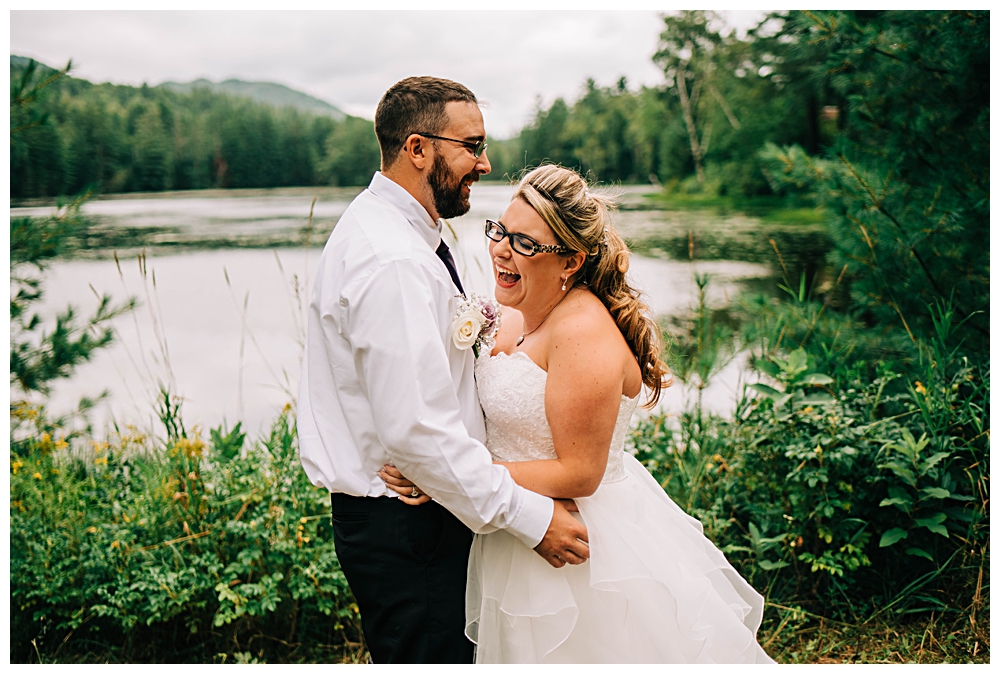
[(581, 221)]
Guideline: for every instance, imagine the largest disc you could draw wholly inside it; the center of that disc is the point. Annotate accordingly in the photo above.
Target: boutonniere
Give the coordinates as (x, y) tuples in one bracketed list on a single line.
[(476, 323)]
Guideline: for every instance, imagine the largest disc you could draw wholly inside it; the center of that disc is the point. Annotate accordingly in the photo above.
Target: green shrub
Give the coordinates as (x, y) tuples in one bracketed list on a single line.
[(849, 495), (177, 550)]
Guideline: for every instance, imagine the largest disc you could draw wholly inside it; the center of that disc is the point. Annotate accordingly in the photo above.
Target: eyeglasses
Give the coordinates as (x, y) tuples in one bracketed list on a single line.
[(520, 243), (477, 148)]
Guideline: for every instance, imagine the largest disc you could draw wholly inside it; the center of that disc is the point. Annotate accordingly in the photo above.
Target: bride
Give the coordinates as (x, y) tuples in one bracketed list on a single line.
[(575, 349)]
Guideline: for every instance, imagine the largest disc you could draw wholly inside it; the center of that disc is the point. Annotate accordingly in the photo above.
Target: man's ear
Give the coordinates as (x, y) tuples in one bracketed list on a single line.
[(416, 150)]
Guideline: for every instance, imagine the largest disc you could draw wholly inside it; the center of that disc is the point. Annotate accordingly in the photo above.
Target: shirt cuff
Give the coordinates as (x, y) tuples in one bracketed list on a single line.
[(533, 517)]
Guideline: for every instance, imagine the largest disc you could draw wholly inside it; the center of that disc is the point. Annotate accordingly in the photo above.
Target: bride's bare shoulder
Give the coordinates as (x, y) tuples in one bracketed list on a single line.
[(587, 312), (585, 318), (586, 344)]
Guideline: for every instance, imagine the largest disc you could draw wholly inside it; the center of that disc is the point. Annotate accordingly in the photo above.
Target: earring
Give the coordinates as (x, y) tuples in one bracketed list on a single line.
[(564, 283)]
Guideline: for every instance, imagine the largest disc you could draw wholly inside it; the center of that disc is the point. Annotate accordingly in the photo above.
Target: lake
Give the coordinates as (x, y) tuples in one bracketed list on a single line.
[(227, 275)]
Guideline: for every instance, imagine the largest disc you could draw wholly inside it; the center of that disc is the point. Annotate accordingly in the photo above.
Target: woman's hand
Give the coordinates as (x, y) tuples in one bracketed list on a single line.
[(408, 492)]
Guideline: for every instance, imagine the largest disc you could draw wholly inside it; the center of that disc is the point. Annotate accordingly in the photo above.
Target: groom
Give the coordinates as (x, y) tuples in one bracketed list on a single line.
[(382, 383)]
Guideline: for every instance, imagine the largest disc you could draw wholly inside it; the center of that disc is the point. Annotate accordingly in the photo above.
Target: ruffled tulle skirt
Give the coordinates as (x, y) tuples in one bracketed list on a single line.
[(654, 590)]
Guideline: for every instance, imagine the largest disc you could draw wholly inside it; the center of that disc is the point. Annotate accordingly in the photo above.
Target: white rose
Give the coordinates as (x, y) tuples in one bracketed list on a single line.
[(465, 328)]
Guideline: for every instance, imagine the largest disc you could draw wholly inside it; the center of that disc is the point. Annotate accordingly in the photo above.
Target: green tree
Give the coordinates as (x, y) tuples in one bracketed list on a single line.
[(150, 149), (352, 153), (36, 148), (906, 185), (601, 128), (546, 139), (688, 54), (298, 152), (38, 355), (734, 95)]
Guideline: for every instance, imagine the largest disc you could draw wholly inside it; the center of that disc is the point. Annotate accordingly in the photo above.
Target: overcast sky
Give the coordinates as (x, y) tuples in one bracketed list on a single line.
[(348, 58)]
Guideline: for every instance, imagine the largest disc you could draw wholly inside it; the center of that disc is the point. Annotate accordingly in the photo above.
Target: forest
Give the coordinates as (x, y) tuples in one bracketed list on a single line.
[(850, 485), (113, 138), (738, 95)]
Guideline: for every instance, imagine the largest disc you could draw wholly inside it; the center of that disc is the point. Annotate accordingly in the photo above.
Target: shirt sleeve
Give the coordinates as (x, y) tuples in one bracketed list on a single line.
[(395, 327)]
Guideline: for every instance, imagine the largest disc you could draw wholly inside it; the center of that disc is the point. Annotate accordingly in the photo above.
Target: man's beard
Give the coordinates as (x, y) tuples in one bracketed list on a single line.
[(448, 198)]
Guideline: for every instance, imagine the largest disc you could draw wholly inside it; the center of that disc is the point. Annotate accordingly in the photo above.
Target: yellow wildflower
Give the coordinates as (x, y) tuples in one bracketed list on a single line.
[(116, 544), (61, 444), (15, 465), (23, 410), (132, 436), (45, 443), (91, 530), (192, 447), (37, 476), (920, 388), (101, 461)]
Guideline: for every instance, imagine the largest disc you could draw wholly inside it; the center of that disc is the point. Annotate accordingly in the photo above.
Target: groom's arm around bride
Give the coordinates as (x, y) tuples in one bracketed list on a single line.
[(382, 383)]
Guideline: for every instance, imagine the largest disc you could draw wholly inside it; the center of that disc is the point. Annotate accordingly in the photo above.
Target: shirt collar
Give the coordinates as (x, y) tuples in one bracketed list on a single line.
[(415, 214)]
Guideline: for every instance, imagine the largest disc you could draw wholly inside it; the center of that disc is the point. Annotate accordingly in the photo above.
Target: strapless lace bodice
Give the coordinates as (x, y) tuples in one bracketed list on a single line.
[(512, 393)]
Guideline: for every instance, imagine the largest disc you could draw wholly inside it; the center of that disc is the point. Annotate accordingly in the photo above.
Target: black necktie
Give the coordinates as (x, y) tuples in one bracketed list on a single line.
[(449, 262)]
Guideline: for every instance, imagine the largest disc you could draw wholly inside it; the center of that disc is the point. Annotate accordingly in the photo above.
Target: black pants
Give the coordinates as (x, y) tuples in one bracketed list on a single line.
[(407, 567)]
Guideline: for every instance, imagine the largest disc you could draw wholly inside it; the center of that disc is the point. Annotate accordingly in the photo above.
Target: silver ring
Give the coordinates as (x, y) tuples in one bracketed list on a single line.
[(414, 493)]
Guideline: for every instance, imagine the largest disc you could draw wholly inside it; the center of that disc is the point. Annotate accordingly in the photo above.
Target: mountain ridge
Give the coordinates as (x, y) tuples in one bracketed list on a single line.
[(269, 93)]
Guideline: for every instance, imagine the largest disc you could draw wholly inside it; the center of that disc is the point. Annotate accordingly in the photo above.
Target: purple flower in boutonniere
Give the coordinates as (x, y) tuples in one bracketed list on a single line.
[(489, 310)]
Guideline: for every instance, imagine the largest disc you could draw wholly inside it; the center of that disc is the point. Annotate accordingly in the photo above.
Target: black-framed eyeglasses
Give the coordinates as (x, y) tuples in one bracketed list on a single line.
[(519, 243), (477, 148)]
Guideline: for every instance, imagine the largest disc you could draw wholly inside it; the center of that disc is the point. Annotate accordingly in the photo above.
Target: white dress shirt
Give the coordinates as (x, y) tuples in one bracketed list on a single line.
[(382, 381)]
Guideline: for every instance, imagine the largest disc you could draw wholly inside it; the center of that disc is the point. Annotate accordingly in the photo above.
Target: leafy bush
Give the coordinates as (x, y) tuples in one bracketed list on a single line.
[(172, 550), (849, 495)]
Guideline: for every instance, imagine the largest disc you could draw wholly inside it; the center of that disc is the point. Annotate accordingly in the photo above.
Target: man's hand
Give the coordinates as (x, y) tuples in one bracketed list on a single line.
[(409, 493), (566, 540)]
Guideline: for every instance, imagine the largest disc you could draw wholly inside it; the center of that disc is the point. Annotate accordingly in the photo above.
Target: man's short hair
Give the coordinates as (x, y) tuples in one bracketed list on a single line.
[(414, 105)]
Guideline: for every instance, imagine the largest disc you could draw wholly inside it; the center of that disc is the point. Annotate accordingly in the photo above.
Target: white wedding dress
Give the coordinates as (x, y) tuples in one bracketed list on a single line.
[(654, 590)]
